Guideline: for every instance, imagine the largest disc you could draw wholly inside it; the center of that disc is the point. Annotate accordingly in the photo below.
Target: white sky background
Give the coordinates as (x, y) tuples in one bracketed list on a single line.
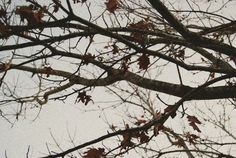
[(83, 122)]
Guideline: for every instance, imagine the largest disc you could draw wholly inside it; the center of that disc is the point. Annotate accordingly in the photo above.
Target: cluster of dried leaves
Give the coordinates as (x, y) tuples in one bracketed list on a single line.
[(31, 14)]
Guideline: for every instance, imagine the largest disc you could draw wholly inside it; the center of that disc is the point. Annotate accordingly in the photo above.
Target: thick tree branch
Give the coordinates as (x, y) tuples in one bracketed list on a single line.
[(191, 36), (218, 92)]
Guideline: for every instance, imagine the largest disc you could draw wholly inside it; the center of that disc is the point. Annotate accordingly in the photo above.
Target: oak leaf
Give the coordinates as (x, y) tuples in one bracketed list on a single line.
[(144, 138), (142, 25), (5, 66), (115, 49), (87, 58), (47, 70), (193, 121), (143, 62), (141, 37), (125, 64), (32, 14), (94, 153), (126, 142), (84, 98), (112, 5), (191, 138)]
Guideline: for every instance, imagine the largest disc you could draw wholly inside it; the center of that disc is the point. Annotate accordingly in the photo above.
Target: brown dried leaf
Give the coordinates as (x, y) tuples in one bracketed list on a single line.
[(48, 70), (115, 49), (4, 67), (84, 98), (32, 14), (87, 58), (191, 138), (195, 127), (138, 37), (143, 62), (126, 142), (144, 138), (94, 153), (193, 121), (141, 25), (112, 5)]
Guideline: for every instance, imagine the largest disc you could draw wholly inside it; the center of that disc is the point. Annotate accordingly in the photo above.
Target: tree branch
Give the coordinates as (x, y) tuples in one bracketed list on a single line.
[(191, 36), (218, 92)]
